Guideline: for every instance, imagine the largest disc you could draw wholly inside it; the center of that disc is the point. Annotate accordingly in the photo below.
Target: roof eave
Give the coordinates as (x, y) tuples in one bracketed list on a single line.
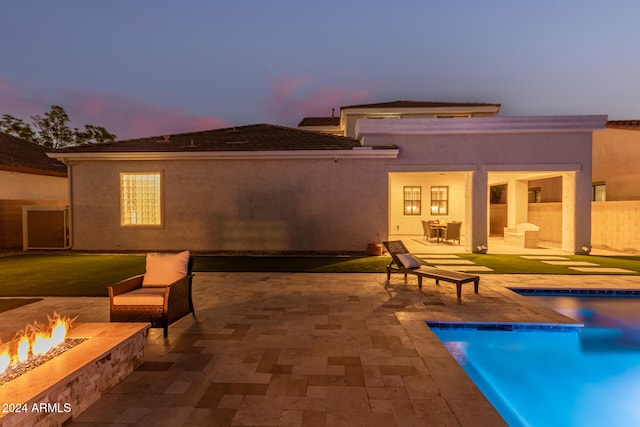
[(387, 152), (479, 125), (34, 171)]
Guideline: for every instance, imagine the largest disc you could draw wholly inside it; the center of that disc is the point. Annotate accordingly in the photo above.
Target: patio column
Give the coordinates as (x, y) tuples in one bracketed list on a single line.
[(517, 202), (478, 215), (576, 212)]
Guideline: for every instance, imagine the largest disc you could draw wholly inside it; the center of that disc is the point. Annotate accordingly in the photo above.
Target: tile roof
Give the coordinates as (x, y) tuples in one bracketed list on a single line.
[(320, 121), (19, 155), (420, 104), (259, 137), (624, 124)]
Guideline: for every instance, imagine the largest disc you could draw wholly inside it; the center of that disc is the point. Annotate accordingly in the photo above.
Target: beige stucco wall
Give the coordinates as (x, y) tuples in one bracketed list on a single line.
[(497, 219), (401, 224), (616, 155), (237, 205), (492, 151), (550, 189), (23, 186)]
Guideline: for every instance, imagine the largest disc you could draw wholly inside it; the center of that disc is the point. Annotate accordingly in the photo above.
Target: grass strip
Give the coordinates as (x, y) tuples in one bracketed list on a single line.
[(29, 275)]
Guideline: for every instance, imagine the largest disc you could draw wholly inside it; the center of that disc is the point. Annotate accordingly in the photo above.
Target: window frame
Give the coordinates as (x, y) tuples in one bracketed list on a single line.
[(537, 195), (408, 203), (594, 188), (160, 202), (438, 203)]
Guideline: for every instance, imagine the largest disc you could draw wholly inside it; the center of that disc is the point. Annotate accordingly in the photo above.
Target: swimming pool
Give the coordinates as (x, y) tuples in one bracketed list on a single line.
[(557, 376)]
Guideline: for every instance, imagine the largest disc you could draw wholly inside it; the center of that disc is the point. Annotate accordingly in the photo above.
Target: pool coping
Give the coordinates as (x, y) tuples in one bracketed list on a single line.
[(524, 291), (505, 326)]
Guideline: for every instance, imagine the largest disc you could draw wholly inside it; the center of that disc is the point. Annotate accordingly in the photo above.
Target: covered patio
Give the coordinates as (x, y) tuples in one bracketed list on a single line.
[(457, 160), (417, 244)]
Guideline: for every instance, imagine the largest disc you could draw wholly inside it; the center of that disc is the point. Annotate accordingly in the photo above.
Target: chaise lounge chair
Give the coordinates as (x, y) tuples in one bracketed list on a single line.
[(403, 262), (160, 296)]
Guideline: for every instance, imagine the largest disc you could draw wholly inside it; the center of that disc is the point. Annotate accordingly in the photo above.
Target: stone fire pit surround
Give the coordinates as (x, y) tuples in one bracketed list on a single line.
[(64, 387)]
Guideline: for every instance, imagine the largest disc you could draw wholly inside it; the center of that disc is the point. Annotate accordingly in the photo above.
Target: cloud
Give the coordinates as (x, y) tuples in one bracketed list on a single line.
[(18, 102), (125, 116), (292, 99), (130, 118)]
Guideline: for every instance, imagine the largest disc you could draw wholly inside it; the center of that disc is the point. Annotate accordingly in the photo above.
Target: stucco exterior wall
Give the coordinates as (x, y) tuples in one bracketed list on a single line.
[(411, 225), (550, 189), (492, 152), (616, 153), (23, 186), (497, 219), (237, 205)]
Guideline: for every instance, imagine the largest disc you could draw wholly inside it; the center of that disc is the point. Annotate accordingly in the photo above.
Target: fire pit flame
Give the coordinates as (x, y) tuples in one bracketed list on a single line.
[(35, 339)]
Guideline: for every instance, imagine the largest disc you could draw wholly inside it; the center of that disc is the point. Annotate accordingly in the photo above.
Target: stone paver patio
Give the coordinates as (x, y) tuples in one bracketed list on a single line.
[(284, 349)]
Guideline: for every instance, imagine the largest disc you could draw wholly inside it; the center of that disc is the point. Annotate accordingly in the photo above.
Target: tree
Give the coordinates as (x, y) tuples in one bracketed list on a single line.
[(16, 127), (93, 135), (52, 130)]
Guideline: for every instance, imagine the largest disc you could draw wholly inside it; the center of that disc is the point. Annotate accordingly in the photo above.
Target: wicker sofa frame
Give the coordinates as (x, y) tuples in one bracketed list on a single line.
[(178, 302)]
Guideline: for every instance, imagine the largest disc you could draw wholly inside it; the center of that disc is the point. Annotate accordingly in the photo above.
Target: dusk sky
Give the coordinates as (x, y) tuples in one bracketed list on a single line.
[(145, 68)]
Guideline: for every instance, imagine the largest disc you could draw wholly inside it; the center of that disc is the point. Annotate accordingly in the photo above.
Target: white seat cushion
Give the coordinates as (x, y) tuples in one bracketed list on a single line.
[(164, 269), (141, 296)]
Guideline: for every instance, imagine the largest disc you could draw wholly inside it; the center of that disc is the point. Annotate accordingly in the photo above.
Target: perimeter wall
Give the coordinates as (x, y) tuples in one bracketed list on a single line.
[(614, 225)]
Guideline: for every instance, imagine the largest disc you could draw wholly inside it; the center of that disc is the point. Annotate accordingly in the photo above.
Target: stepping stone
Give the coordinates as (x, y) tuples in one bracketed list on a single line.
[(544, 257), (464, 267), (433, 256), (449, 261), (601, 270), (571, 263)]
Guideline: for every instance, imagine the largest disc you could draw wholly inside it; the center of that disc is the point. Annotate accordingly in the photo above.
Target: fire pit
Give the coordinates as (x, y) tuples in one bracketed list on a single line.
[(34, 345), (69, 383)]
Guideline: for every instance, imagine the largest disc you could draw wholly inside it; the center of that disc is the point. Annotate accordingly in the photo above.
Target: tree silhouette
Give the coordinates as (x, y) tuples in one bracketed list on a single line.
[(52, 130)]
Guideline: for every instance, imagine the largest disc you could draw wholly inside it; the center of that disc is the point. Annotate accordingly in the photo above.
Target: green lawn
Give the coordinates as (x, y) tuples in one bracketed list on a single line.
[(89, 275), (515, 264), (28, 275), (65, 275)]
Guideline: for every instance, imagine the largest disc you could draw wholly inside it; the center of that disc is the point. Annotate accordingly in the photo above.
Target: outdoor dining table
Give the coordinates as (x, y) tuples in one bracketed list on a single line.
[(440, 228)]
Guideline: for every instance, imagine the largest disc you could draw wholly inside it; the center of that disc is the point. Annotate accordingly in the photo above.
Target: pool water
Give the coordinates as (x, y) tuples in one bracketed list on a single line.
[(575, 377)]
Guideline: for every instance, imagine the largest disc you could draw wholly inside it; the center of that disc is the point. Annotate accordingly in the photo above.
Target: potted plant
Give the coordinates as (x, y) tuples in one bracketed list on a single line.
[(375, 248)]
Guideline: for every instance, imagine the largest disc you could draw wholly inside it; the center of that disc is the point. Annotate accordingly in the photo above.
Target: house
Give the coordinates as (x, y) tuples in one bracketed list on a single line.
[(615, 192), (248, 188), (345, 123), (28, 177), (271, 188)]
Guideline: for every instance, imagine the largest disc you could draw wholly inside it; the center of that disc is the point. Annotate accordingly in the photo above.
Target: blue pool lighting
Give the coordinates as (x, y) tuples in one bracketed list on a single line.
[(557, 375)]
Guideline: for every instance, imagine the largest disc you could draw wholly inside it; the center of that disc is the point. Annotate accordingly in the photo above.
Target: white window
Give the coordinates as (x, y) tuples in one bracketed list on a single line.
[(599, 192), (412, 200), (140, 199), (440, 200), (535, 196)]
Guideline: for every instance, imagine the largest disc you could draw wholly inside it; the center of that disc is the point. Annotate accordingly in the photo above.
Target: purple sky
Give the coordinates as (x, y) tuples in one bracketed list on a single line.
[(143, 68)]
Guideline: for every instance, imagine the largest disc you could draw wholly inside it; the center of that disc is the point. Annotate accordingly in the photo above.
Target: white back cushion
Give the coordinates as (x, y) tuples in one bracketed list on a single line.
[(408, 261), (164, 269)]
